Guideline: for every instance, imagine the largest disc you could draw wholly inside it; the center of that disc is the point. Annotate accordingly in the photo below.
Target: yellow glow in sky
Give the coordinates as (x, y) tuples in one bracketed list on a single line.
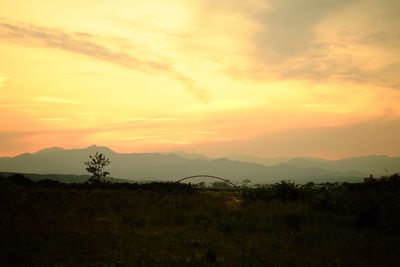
[(216, 78)]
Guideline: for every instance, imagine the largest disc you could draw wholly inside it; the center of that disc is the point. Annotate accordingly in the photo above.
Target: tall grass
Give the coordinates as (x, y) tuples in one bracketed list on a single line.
[(176, 225)]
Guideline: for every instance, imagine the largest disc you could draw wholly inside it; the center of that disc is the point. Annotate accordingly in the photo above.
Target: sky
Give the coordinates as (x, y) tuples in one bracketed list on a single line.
[(270, 78)]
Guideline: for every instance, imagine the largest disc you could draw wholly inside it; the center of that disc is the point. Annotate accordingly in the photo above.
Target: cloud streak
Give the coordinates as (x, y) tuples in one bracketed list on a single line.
[(83, 43), (3, 77), (55, 100), (327, 142)]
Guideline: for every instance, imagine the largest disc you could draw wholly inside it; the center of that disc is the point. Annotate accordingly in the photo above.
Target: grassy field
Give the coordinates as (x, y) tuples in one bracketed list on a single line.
[(51, 224)]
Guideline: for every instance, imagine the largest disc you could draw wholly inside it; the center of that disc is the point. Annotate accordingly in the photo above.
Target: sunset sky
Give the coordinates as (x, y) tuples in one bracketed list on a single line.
[(266, 78)]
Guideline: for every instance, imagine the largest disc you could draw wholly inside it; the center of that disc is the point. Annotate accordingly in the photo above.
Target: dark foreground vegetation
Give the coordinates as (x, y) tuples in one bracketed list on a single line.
[(48, 223)]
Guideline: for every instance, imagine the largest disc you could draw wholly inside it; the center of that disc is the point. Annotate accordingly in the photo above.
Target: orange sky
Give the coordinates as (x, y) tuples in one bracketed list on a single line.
[(265, 78)]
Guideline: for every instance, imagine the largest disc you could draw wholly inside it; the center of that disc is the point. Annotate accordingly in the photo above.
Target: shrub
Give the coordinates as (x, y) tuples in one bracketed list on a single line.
[(95, 166)]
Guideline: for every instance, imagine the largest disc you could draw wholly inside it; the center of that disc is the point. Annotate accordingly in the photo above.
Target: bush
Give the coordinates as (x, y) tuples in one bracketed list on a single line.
[(50, 183), (283, 191), (21, 180)]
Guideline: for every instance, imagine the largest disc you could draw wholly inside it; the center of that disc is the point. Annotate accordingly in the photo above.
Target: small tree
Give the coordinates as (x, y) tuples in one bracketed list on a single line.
[(220, 184), (246, 183), (95, 166)]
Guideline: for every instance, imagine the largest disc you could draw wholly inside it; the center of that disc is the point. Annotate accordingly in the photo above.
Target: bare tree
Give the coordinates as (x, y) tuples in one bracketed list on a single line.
[(95, 166)]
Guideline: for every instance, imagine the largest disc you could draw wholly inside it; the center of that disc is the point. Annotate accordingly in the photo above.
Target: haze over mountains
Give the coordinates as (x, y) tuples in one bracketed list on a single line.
[(158, 166), (374, 164)]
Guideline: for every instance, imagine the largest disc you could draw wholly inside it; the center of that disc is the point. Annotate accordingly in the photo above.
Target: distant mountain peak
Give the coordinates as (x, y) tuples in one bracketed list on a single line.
[(50, 149), (97, 148), (187, 155), (92, 146)]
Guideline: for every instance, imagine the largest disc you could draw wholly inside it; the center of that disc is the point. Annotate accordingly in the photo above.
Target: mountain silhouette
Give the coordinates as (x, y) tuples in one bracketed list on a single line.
[(158, 166), (377, 165)]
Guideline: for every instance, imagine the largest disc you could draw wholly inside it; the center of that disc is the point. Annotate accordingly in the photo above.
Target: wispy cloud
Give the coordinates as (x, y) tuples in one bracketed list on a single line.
[(55, 100), (205, 132), (138, 137), (347, 40), (153, 139), (150, 119), (225, 105), (55, 119), (3, 77), (288, 26), (327, 142), (11, 142), (25, 105), (86, 44)]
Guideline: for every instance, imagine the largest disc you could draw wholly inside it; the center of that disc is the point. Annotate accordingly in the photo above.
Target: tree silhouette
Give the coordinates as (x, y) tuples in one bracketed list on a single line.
[(95, 166)]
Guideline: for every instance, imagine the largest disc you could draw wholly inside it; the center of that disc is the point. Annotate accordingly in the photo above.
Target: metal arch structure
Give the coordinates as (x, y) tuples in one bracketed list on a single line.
[(206, 176)]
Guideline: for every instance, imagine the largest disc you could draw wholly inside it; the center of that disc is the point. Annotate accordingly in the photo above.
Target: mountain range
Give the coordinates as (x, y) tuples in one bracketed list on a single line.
[(173, 166), (374, 164)]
